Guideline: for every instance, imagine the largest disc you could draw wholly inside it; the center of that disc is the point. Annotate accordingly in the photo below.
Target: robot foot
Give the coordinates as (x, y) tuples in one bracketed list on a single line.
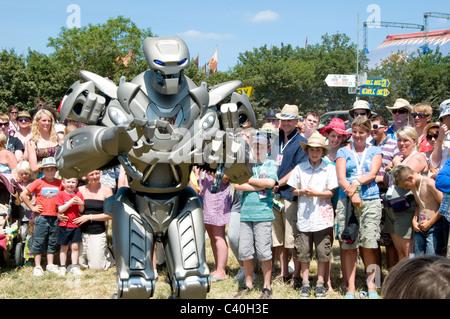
[(135, 288)]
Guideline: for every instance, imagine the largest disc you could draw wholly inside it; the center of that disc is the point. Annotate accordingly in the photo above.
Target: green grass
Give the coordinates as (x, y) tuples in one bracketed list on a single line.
[(19, 283)]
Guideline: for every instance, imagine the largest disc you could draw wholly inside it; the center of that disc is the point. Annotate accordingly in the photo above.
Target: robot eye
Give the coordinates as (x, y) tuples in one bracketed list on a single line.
[(182, 61), (159, 62)]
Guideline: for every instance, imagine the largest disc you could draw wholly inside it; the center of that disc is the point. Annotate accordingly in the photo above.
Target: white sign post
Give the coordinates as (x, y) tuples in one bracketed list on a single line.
[(341, 80)]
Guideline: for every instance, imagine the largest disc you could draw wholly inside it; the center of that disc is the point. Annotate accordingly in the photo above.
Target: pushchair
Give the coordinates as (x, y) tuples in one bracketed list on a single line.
[(12, 231)]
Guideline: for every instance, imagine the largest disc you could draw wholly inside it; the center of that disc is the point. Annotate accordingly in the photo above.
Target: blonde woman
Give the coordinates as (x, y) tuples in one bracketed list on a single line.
[(400, 202), (357, 165), (44, 140)]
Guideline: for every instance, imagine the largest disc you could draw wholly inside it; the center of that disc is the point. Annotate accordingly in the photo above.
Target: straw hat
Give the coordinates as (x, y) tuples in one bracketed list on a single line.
[(48, 162), (360, 105), (401, 104), (316, 140), (268, 128), (430, 126), (289, 112), (337, 125)]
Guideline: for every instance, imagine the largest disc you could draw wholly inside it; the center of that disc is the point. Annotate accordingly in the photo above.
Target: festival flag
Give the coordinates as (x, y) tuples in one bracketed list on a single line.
[(306, 42), (196, 62), (126, 59), (212, 64)]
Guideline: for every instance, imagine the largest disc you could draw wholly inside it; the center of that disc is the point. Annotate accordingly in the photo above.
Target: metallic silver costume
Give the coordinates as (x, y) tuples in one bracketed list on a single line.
[(157, 127)]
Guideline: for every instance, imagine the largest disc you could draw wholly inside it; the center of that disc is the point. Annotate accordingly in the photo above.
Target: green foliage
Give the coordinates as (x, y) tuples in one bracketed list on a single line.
[(279, 75)]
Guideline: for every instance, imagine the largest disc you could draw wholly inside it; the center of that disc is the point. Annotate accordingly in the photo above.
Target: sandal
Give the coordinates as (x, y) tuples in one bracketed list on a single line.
[(242, 292), (373, 294), (349, 295), (266, 294)]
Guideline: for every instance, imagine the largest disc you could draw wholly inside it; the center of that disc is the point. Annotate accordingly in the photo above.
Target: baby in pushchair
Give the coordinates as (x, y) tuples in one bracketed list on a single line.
[(21, 178), (8, 226)]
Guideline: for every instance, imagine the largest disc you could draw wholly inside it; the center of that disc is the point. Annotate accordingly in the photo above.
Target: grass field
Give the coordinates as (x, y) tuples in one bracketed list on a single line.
[(19, 283)]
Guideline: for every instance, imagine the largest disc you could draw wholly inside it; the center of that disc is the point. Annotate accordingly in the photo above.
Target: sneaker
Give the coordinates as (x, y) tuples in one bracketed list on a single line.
[(320, 292), (305, 292), (38, 271), (62, 271), (240, 276), (75, 269), (53, 269), (266, 294)]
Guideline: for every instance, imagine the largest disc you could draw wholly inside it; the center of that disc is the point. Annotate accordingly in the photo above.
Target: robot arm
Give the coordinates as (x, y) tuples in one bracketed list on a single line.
[(92, 147)]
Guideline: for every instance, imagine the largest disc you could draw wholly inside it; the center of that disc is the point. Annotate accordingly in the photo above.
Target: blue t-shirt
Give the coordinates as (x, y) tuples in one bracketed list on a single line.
[(293, 155), (254, 207), (368, 191)]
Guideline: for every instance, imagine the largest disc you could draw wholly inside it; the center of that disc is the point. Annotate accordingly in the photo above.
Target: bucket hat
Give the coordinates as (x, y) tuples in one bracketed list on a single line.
[(48, 162), (444, 108), (271, 115), (337, 125), (360, 105)]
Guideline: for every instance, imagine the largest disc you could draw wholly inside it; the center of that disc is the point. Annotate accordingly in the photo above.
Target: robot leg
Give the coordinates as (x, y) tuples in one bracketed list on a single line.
[(133, 248), (184, 246)]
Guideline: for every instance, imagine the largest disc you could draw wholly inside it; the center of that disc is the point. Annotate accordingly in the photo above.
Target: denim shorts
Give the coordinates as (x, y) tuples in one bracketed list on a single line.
[(255, 236), (69, 235), (431, 242), (45, 238)]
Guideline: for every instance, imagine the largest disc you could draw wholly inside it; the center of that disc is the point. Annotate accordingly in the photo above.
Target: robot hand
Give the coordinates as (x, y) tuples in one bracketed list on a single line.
[(92, 147)]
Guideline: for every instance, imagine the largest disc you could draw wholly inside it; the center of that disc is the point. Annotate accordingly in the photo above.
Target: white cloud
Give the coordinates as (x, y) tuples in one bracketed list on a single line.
[(265, 16), (200, 35)]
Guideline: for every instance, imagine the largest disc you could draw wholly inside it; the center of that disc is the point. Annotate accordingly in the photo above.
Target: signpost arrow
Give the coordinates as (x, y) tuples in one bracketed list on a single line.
[(340, 80), (382, 83), (373, 91)]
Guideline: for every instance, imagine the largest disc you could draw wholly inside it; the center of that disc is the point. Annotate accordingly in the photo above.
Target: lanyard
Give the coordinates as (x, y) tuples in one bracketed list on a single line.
[(260, 168), (359, 163), (283, 147)]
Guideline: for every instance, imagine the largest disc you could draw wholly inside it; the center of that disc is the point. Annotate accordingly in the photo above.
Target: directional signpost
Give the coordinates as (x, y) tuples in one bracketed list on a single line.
[(375, 87), (341, 80)]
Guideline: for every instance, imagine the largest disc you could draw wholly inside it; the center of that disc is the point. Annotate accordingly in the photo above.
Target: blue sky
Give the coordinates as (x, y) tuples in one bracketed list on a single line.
[(232, 26)]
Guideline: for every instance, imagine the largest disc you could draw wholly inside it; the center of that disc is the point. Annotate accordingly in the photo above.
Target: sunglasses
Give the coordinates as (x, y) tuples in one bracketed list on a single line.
[(13, 112), (399, 111), (420, 115), (376, 126), (431, 136), (359, 113), (23, 119)]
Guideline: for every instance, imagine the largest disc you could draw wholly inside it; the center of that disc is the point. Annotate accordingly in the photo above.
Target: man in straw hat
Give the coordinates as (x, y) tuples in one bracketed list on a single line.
[(288, 154), (314, 182), (401, 113)]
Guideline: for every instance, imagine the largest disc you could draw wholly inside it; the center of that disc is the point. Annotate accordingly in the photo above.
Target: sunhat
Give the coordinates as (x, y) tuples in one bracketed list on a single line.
[(271, 115), (430, 126), (360, 105), (444, 108), (316, 140), (289, 112), (24, 114), (337, 125), (401, 104), (48, 162), (268, 128), (260, 139)]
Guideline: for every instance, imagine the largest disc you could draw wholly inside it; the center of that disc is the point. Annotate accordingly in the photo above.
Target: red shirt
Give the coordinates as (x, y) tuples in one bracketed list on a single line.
[(46, 194), (73, 211)]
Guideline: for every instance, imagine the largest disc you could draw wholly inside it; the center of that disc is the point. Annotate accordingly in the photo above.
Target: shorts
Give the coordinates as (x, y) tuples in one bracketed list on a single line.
[(284, 225), (369, 218), (400, 223), (45, 238), (69, 235), (255, 236), (304, 245)]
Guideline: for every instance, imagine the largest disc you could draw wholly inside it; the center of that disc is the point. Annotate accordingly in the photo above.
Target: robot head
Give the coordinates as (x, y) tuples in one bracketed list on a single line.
[(167, 57)]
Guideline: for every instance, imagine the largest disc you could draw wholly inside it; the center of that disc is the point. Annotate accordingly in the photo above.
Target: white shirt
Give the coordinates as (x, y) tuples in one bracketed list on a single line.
[(314, 213)]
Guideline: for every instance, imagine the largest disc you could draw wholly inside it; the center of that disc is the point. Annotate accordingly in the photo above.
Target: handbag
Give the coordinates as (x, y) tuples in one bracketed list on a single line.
[(351, 230)]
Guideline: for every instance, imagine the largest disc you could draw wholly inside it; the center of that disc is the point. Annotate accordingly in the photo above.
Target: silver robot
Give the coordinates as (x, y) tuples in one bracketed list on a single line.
[(158, 126)]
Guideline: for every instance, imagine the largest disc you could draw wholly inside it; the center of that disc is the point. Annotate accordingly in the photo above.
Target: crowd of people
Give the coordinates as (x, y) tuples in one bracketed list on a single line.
[(367, 185)]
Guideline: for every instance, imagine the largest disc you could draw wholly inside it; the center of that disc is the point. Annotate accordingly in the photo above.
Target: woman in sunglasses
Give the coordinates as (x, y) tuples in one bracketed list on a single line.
[(431, 133), (401, 113), (24, 127), (421, 116)]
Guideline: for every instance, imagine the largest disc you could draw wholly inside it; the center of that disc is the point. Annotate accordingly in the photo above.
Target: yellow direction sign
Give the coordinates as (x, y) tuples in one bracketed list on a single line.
[(371, 91), (248, 90), (381, 83)]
